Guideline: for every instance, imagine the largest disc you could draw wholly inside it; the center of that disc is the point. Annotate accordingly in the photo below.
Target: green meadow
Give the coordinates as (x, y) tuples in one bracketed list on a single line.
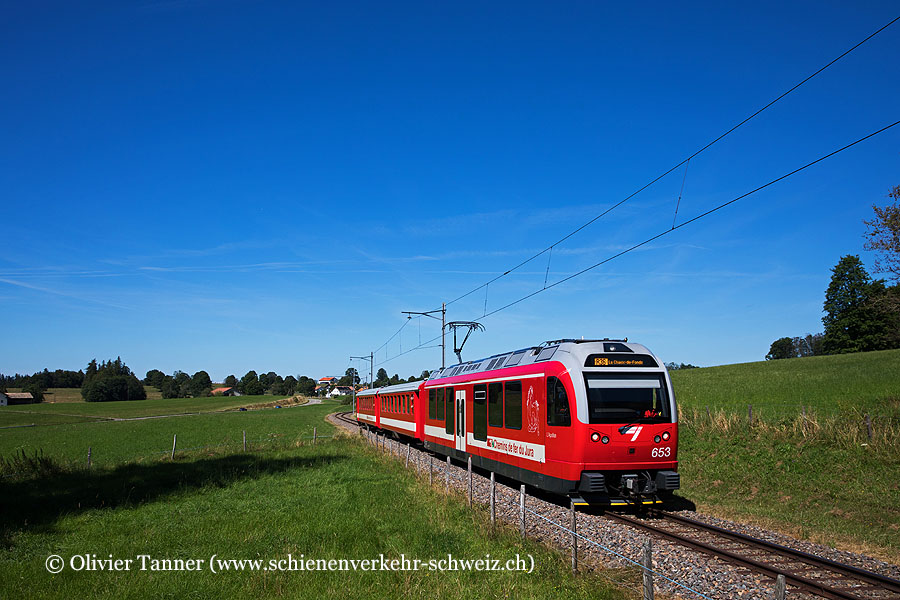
[(338, 499), (806, 464)]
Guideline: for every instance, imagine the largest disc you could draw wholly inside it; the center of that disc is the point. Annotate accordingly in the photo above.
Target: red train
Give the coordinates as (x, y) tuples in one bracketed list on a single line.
[(592, 419)]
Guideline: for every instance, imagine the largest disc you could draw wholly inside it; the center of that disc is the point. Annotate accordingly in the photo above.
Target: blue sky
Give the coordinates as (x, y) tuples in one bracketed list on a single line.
[(262, 185)]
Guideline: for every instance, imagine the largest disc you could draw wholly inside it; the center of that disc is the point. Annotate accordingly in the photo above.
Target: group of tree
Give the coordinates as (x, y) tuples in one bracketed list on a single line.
[(861, 313), (671, 366), (182, 385), (111, 381), (382, 379), (37, 383)]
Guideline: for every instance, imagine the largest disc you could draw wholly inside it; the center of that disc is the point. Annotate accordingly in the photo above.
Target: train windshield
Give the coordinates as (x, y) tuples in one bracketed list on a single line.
[(627, 398)]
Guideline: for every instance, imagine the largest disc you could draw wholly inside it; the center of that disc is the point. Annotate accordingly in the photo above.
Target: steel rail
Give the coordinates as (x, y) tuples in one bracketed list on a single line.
[(806, 584)]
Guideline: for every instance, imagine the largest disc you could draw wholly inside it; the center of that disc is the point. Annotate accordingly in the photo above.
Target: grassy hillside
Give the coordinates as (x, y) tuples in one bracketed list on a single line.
[(820, 476), (862, 382)]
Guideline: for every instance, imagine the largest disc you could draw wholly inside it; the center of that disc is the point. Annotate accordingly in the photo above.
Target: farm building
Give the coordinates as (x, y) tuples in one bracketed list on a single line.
[(16, 398), (225, 391), (339, 391)]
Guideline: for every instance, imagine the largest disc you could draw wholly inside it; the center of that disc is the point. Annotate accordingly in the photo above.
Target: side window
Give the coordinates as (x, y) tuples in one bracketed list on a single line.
[(432, 406), (479, 413), (557, 404), (495, 404), (440, 404), (448, 396), (513, 405), (412, 404)]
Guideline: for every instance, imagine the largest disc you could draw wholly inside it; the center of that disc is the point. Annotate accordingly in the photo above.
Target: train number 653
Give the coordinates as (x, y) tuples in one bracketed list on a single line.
[(661, 452)]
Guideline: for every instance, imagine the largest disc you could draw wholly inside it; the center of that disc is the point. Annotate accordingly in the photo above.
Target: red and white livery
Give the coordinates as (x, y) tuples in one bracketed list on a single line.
[(592, 419)]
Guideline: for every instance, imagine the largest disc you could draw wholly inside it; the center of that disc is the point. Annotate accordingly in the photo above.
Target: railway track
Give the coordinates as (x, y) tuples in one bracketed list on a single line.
[(804, 572)]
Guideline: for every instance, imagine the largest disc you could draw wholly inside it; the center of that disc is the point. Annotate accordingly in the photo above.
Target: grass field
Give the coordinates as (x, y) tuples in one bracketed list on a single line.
[(113, 442), (862, 382), (86, 411), (818, 477), (336, 500)]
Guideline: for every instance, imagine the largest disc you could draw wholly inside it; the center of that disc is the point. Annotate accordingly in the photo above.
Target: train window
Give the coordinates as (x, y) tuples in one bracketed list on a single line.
[(432, 407), (557, 404), (479, 413), (495, 404), (412, 404), (513, 405), (620, 398), (515, 358), (448, 396), (440, 404)]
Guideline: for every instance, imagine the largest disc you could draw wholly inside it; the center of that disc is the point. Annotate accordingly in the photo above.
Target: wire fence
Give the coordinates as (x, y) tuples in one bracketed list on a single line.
[(8, 465)]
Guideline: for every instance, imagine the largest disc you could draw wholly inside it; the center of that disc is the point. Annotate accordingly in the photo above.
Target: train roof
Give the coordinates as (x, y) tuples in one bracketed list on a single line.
[(412, 386), (540, 353)]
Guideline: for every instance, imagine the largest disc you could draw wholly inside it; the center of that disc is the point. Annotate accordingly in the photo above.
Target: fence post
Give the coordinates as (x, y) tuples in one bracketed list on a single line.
[(574, 538), (750, 414), (780, 587), (708, 416), (174, 442), (493, 500), (648, 565), (431, 469), (89, 457), (315, 435), (470, 481), (803, 422), (522, 510), (407, 456), (869, 426), (447, 475), (245, 439)]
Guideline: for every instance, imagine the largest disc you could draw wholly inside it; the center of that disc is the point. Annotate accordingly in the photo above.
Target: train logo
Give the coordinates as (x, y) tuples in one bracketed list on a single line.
[(532, 405)]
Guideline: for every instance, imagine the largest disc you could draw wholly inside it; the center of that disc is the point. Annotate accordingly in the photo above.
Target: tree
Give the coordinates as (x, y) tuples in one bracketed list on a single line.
[(781, 348), (853, 320), (306, 385), (250, 384), (111, 381), (183, 381), (169, 388), (201, 384), (155, 378), (381, 378), (883, 236), (290, 385), (351, 377), (231, 381)]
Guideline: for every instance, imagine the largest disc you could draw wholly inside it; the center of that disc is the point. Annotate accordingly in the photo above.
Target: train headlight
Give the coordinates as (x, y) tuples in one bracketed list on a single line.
[(656, 439), (666, 436), (595, 437), (605, 439)]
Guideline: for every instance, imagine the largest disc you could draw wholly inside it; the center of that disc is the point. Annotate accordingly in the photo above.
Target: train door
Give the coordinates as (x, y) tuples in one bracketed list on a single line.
[(461, 420)]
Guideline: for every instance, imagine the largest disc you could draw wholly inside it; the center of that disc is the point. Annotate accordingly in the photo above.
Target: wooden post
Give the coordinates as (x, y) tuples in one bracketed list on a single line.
[(447, 475), (869, 426), (750, 414), (174, 442), (648, 566), (803, 422), (708, 416), (470, 481), (780, 587), (89, 457), (245, 439), (522, 510), (431, 469), (493, 500), (315, 435), (407, 456), (574, 538)]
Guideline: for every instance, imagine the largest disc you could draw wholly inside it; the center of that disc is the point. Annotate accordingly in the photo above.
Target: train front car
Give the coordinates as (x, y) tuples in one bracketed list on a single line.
[(625, 434)]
